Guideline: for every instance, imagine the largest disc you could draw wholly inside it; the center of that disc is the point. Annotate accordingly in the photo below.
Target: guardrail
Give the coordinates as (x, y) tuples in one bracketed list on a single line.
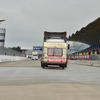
[(86, 62), (5, 58), (86, 57)]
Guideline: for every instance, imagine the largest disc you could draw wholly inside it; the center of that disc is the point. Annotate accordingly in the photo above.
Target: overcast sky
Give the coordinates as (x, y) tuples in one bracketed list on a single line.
[(26, 20)]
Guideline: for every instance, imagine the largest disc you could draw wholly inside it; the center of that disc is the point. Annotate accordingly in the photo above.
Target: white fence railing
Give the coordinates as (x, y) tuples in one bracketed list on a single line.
[(86, 62), (5, 58)]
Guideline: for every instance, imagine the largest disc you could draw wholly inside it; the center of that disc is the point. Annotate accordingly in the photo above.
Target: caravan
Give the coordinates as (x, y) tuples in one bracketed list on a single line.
[(54, 49)]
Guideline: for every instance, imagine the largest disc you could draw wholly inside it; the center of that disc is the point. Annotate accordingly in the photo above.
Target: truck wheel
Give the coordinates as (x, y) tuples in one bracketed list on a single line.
[(62, 67), (66, 65)]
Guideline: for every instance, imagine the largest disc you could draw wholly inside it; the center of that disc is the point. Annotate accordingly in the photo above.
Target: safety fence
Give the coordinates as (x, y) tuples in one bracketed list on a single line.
[(85, 57), (85, 62), (5, 58)]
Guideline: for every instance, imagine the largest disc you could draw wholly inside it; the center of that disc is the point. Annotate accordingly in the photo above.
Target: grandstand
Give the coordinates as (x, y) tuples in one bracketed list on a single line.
[(77, 47), (89, 35)]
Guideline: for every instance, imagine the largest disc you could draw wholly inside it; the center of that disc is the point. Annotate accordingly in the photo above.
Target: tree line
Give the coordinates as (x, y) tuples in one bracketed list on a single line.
[(16, 48)]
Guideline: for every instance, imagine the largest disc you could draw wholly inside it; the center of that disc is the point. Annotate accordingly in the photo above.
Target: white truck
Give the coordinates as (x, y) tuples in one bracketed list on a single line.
[(54, 50), (34, 55)]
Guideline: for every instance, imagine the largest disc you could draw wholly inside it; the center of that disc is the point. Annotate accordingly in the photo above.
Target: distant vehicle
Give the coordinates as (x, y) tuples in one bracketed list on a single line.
[(54, 49), (34, 55), (28, 56)]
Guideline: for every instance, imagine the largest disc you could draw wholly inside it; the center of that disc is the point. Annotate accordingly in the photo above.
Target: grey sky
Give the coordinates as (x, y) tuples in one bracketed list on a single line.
[(26, 20)]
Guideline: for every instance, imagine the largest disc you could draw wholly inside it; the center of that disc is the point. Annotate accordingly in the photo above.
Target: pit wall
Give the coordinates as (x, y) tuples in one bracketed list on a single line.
[(5, 58), (86, 62)]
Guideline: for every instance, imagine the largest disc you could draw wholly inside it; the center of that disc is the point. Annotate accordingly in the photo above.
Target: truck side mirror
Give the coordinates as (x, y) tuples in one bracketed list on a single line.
[(68, 46)]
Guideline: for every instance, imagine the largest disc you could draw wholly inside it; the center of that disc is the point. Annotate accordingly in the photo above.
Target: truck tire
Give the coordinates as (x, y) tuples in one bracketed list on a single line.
[(62, 67), (66, 65), (42, 66)]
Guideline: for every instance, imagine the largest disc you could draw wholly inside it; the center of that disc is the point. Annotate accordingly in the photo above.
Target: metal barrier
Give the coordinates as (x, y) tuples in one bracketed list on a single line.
[(85, 57), (86, 62), (5, 58)]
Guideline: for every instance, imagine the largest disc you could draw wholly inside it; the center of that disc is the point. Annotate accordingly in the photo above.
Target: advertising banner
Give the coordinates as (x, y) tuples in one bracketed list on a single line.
[(37, 48)]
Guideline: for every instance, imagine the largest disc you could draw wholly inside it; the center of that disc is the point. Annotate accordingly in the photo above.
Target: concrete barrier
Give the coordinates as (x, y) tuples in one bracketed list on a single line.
[(86, 62), (6, 58)]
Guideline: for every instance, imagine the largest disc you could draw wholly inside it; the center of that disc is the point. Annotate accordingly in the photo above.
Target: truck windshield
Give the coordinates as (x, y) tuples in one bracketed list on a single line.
[(55, 52)]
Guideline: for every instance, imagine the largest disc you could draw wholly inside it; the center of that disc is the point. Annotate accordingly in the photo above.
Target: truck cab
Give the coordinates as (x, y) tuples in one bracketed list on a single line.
[(34, 56)]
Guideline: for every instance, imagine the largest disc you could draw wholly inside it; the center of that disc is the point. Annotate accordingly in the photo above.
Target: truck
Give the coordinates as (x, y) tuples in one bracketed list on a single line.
[(54, 49), (34, 55)]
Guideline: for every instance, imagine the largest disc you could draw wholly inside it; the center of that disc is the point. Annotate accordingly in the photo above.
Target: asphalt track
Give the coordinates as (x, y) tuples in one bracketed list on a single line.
[(26, 80)]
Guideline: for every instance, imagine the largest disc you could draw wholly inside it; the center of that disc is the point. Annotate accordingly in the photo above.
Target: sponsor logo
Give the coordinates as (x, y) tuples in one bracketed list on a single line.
[(58, 60), (54, 57)]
